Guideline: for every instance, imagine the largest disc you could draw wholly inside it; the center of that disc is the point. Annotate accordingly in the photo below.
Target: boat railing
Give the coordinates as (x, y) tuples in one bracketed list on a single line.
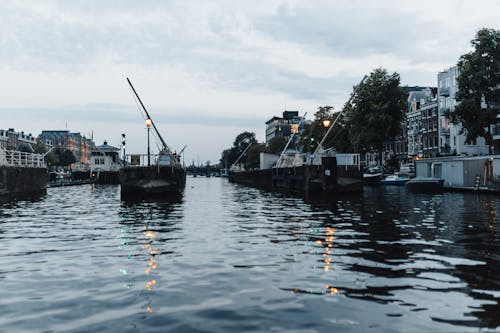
[(142, 159), (21, 159)]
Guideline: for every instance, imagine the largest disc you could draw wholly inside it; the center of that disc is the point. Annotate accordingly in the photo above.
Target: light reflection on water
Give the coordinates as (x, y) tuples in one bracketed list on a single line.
[(228, 258)]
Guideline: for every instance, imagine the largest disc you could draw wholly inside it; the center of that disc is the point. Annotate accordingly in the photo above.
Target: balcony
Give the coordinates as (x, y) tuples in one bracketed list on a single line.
[(444, 91)]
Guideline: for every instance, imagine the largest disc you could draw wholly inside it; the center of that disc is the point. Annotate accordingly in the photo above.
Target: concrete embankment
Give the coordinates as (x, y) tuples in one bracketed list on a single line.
[(20, 181)]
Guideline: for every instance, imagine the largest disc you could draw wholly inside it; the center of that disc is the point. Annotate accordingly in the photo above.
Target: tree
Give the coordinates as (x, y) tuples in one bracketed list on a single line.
[(478, 87), (376, 111), (66, 158), (315, 130), (253, 156), (276, 145), (228, 157), (242, 141), (51, 158), (39, 147)]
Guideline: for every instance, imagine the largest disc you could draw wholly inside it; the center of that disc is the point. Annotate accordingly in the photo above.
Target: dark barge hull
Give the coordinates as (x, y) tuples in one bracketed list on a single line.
[(105, 177), (425, 185), (97, 177), (20, 182), (152, 180), (327, 178)]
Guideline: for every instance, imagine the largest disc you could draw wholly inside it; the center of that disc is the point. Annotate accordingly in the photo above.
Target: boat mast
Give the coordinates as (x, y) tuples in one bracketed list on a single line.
[(320, 146), (148, 116)]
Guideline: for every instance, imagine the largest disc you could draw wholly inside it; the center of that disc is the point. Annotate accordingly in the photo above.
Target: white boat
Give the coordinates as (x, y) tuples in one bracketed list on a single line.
[(373, 175), (395, 179)]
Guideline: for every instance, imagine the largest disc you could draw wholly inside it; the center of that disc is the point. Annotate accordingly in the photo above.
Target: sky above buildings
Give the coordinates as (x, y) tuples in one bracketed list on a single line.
[(209, 70)]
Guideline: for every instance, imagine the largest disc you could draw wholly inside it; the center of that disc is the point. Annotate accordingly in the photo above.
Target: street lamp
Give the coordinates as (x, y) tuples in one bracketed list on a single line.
[(326, 123), (148, 125)]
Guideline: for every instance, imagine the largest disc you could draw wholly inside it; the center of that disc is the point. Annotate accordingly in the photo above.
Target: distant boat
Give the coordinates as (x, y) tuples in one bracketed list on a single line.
[(425, 185), (224, 173), (163, 173), (395, 179), (373, 175)]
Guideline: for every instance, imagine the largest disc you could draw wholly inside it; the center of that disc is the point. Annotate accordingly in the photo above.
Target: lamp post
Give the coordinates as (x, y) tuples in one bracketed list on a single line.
[(148, 125), (326, 123)]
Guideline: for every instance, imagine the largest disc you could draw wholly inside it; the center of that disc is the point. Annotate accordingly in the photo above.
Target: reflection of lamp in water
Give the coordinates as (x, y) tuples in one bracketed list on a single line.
[(149, 122)]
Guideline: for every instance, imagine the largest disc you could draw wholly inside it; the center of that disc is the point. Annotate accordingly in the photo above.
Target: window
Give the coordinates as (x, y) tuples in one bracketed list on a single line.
[(99, 161), (437, 170)]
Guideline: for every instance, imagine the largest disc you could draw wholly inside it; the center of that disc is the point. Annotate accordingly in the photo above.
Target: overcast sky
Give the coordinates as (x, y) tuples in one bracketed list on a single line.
[(209, 70)]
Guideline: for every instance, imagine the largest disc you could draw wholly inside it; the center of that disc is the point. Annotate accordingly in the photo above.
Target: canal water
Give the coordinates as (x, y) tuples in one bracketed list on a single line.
[(226, 258)]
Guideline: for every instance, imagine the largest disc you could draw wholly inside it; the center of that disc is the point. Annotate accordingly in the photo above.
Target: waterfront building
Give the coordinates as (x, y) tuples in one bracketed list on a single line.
[(495, 132), (451, 141), (284, 126), (396, 148), (12, 140), (422, 124), (78, 144), (105, 164), (105, 157)]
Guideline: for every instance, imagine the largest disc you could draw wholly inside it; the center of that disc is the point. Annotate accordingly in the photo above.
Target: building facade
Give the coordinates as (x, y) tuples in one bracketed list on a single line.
[(422, 124), (12, 140), (78, 144), (284, 126), (105, 157), (451, 142)]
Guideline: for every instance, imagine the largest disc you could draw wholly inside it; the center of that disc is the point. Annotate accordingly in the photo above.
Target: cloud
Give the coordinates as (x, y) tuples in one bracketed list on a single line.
[(219, 64)]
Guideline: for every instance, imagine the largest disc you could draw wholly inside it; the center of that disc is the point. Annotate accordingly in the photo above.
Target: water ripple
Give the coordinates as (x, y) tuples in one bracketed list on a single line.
[(223, 257)]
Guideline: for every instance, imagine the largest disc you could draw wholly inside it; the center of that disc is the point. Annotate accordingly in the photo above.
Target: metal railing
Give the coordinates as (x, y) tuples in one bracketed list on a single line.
[(21, 159), (140, 159)]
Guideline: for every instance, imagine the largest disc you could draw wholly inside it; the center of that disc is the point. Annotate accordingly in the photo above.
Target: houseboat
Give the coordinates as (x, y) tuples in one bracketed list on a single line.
[(477, 173)]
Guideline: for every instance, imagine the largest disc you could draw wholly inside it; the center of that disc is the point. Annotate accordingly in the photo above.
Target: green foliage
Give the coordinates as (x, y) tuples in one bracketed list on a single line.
[(253, 156), (479, 81), (52, 158), (314, 131), (230, 155), (243, 140), (276, 145), (39, 147), (376, 111), (66, 158)]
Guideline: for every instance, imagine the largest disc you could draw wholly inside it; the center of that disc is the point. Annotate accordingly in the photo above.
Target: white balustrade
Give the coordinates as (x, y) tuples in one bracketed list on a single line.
[(21, 159)]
